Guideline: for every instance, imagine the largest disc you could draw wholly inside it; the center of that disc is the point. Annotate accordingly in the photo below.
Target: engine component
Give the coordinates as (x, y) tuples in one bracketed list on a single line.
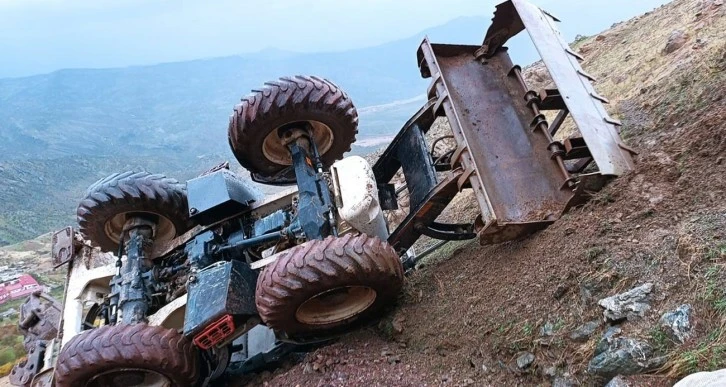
[(39, 318), (258, 349), (217, 195), (23, 372), (221, 289), (314, 199), (272, 223), (133, 284), (359, 207)]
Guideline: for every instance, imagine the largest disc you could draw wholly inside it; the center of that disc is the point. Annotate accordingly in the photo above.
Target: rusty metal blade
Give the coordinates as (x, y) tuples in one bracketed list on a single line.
[(578, 93), (490, 119)]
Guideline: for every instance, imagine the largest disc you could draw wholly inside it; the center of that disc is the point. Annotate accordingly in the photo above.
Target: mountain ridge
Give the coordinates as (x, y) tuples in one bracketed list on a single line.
[(173, 103)]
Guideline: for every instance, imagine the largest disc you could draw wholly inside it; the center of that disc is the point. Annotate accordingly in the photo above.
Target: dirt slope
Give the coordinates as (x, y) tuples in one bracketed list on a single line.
[(467, 315)]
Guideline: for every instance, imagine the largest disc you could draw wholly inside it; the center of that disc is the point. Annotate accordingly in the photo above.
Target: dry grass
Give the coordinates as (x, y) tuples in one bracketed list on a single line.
[(675, 83), (703, 251)]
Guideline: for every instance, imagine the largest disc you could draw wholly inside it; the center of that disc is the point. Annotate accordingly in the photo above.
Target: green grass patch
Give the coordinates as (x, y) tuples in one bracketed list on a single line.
[(660, 340), (714, 292), (717, 252)]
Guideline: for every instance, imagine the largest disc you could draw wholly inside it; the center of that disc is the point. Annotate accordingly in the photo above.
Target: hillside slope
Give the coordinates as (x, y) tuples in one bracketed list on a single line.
[(471, 312)]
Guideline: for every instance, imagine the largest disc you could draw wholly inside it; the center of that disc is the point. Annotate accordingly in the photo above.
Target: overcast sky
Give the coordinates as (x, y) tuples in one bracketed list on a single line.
[(38, 36)]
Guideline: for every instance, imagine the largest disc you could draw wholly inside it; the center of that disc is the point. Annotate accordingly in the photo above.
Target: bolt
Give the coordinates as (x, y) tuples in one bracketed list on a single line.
[(192, 279), (193, 211)]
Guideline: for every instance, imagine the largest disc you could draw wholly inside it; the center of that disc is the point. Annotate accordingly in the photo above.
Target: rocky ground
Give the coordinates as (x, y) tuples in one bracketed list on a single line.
[(631, 284)]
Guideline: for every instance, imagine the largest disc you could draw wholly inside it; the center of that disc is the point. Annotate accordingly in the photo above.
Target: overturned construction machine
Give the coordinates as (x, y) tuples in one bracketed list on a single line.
[(185, 284)]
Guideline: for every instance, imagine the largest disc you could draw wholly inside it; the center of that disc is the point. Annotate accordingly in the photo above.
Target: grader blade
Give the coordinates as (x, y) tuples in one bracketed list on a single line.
[(523, 178), (574, 85)]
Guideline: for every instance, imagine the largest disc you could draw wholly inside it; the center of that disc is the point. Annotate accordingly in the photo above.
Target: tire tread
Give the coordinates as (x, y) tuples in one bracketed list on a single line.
[(315, 266)]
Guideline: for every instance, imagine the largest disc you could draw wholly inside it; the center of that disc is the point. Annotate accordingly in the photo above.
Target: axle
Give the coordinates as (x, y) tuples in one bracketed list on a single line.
[(315, 207), (131, 287)]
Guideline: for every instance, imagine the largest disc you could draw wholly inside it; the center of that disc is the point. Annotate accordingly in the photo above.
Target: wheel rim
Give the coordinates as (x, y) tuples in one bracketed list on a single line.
[(129, 377), (275, 150), (335, 305), (165, 229)]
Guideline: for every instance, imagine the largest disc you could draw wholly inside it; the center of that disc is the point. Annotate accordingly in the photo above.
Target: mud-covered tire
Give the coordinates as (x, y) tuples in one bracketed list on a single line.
[(288, 100), (100, 214), (103, 350), (306, 272)]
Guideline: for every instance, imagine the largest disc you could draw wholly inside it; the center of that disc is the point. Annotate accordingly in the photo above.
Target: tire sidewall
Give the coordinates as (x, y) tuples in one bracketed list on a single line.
[(314, 267), (131, 192), (284, 101), (81, 379), (97, 231), (143, 347), (384, 293)]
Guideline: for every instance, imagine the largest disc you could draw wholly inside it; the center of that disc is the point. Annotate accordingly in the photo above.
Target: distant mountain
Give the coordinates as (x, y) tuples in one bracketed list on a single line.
[(61, 131), (179, 107)]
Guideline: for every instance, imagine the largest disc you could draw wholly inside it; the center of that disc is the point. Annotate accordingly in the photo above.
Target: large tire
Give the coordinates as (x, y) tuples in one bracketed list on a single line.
[(101, 214), (119, 355), (287, 100), (323, 287)]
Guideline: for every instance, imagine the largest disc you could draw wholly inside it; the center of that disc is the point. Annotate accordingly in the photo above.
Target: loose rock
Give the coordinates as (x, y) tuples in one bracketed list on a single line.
[(675, 41), (617, 381), (627, 305), (308, 369), (551, 371), (700, 43), (623, 356), (525, 360), (584, 331), (677, 323), (548, 329), (587, 290), (561, 381), (397, 324), (607, 337)]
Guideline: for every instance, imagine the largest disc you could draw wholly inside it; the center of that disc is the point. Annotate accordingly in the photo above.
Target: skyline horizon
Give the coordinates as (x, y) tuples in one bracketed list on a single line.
[(81, 34)]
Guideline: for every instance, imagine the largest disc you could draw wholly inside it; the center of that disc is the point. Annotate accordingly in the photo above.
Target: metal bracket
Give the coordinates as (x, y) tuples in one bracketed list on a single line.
[(62, 246), (571, 80), (445, 231)]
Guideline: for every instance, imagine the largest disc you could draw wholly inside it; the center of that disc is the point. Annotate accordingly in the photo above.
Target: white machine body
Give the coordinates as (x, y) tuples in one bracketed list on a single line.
[(357, 195)]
